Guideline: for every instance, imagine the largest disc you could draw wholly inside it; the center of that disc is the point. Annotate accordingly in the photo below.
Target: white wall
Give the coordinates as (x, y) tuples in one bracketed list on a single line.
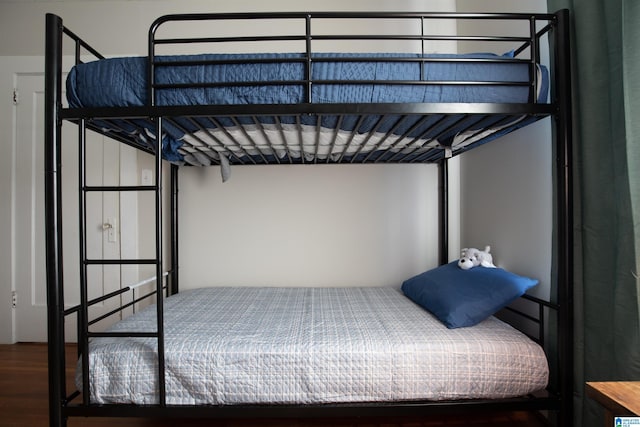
[(326, 225), (120, 26), (514, 214), (506, 186)]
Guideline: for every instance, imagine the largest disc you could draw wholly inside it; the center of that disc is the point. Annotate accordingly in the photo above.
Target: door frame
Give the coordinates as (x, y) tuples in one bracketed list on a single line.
[(11, 68)]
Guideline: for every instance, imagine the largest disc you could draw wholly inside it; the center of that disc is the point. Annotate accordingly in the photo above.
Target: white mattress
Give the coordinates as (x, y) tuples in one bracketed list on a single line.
[(311, 345)]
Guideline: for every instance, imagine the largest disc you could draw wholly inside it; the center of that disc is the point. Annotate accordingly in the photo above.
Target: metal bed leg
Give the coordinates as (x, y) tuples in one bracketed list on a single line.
[(564, 189), (175, 286), (159, 267), (443, 189), (53, 220)]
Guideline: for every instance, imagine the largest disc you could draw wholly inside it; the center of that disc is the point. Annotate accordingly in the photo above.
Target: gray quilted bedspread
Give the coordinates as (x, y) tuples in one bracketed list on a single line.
[(310, 345)]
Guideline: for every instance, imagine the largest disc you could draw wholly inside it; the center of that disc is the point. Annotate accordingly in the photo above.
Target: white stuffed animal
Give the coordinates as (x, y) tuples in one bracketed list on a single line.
[(472, 257)]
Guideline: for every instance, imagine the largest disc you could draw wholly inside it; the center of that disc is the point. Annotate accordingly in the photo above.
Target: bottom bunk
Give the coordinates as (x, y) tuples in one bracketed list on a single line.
[(309, 346)]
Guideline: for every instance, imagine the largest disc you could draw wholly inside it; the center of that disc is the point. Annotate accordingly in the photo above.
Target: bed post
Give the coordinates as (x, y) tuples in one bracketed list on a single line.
[(564, 206), (174, 230), (53, 219), (443, 195)]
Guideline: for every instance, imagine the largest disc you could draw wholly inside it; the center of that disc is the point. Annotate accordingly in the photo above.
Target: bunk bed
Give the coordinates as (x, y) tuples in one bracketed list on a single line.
[(312, 107)]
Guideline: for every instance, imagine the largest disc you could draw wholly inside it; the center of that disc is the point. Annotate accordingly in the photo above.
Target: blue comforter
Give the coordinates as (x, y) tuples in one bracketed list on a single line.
[(121, 82)]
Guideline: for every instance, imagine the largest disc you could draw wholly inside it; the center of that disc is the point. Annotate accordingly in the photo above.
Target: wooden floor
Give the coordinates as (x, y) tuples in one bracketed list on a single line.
[(23, 403)]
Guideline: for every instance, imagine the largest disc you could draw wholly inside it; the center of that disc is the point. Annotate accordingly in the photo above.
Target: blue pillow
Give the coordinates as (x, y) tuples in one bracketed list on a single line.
[(462, 298)]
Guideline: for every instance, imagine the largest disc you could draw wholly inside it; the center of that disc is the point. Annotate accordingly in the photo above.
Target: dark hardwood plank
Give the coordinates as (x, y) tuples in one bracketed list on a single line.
[(24, 403)]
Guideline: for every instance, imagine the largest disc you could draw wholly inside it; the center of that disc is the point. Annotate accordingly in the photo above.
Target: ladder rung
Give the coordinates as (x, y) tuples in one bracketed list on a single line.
[(119, 261), (122, 335), (102, 188)]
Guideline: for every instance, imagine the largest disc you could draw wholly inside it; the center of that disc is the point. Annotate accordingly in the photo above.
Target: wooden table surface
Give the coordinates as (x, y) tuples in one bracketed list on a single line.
[(618, 397)]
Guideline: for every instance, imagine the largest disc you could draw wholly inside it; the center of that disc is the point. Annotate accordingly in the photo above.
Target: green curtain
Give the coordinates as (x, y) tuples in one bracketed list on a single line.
[(606, 101)]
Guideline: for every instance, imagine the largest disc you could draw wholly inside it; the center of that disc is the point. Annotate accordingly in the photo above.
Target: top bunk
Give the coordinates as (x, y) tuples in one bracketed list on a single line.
[(339, 87)]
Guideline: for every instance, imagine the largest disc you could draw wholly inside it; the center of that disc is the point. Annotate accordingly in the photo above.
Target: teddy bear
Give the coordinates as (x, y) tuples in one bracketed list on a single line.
[(472, 257)]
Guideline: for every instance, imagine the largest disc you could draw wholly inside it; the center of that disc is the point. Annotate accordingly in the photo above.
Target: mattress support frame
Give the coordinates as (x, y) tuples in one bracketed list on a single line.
[(374, 409), (62, 406)]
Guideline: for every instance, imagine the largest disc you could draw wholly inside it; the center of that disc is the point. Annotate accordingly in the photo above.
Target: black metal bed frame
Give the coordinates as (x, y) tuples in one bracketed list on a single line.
[(557, 399)]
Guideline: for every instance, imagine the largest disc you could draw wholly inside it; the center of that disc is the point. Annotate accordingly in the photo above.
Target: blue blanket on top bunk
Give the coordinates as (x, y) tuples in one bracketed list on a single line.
[(119, 82)]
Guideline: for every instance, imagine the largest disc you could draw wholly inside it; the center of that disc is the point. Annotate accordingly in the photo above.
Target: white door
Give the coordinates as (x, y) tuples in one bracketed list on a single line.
[(104, 213)]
